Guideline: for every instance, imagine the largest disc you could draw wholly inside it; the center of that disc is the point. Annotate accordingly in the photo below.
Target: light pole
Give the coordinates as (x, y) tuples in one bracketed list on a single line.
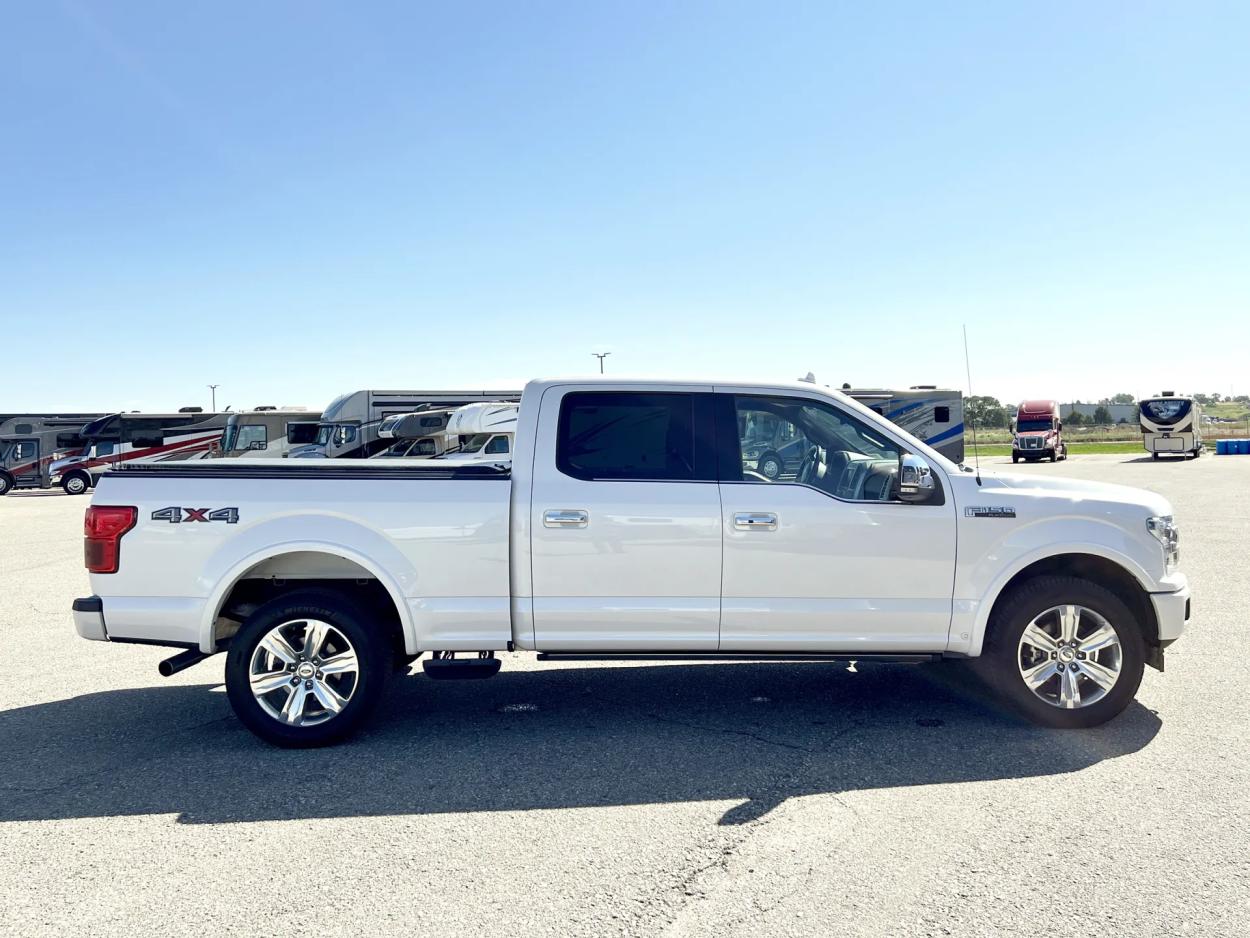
[(601, 356), (213, 388)]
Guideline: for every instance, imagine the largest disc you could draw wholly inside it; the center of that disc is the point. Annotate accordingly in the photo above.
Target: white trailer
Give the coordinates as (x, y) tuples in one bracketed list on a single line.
[(1171, 424)]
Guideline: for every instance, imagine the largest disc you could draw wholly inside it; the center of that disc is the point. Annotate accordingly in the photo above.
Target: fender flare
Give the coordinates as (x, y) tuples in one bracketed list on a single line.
[(212, 606)]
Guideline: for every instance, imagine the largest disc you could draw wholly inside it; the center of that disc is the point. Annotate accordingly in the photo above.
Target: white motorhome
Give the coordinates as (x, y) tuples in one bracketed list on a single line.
[(931, 414), (486, 431), (421, 435), (1171, 424), (350, 424), (268, 432), (135, 437)]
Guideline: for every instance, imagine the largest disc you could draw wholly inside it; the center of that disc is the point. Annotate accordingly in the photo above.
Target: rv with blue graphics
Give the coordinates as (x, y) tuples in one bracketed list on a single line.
[(932, 415)]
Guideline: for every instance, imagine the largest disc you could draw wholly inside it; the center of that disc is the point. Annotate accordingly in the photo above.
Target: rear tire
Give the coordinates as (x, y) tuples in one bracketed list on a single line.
[(76, 483), (1075, 682), (354, 653)]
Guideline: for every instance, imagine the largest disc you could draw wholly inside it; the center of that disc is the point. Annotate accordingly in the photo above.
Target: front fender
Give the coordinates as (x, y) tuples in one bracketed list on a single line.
[(986, 568), (337, 537)]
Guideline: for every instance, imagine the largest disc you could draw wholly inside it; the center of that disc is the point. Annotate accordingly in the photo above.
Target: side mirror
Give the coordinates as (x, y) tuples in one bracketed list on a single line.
[(1059, 425), (916, 483)]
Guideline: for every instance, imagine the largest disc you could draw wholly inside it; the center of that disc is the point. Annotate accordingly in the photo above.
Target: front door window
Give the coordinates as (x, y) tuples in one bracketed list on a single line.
[(807, 442)]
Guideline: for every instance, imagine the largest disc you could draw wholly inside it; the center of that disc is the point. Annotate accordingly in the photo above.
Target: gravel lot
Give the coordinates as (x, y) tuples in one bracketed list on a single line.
[(727, 799)]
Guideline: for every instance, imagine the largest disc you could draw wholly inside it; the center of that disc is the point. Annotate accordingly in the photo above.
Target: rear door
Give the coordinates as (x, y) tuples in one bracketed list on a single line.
[(625, 522)]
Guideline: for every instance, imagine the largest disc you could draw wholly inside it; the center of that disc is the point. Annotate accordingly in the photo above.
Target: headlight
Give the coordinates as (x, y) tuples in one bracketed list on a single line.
[(1168, 534)]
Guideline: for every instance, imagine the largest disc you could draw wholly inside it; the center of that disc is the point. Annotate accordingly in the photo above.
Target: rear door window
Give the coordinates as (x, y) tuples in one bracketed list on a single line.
[(614, 435)]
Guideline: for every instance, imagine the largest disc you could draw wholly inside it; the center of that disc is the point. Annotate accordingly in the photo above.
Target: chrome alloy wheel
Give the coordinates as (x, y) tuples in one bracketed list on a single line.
[(1070, 656), (304, 672)]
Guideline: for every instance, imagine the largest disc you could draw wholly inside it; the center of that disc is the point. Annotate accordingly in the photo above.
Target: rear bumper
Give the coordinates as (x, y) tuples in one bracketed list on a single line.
[(1171, 612), (89, 619)]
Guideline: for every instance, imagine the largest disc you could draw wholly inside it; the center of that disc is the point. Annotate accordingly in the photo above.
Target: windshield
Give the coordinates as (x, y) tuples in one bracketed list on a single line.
[(396, 449), (1031, 424), (336, 433), (474, 443), (830, 431)]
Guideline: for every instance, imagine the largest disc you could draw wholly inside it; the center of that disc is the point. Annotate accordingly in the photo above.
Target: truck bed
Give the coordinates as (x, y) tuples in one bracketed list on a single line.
[(436, 537)]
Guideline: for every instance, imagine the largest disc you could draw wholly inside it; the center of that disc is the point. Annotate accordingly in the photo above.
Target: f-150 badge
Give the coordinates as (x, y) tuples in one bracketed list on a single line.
[(177, 515), (989, 511)]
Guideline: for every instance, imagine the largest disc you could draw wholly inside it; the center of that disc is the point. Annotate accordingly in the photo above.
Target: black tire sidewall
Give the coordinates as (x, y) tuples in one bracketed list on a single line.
[(6, 483), (371, 651), (1026, 603), (768, 457), (70, 480)]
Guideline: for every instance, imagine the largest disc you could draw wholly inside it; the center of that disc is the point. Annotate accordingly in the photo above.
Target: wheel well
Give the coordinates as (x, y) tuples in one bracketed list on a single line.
[(1106, 573), (301, 570)]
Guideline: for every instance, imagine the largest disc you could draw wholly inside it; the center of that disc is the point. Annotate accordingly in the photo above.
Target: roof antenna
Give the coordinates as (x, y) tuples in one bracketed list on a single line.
[(972, 424)]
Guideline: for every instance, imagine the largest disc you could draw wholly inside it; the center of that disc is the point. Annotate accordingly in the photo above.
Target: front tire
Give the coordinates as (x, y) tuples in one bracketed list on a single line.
[(1065, 652), (75, 483), (306, 669), (770, 465), (6, 483)]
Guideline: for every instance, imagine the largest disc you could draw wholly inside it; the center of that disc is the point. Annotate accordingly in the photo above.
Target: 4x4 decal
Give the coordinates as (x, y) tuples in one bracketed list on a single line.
[(175, 515)]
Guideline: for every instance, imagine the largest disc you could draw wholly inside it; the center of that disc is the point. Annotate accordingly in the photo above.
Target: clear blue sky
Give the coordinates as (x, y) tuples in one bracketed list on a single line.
[(294, 199)]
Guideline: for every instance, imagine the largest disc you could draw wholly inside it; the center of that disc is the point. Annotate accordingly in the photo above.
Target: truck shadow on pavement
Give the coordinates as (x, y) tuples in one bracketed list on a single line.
[(560, 737)]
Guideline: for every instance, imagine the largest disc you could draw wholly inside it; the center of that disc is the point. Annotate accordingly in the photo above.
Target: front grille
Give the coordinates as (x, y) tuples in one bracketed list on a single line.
[(1033, 442)]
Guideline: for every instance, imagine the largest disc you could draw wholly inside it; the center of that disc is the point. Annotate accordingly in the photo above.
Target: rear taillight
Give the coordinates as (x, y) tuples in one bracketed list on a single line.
[(104, 526)]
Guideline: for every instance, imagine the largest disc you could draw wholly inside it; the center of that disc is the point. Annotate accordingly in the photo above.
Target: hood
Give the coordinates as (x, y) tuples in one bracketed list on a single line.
[(1075, 491), (1024, 434)]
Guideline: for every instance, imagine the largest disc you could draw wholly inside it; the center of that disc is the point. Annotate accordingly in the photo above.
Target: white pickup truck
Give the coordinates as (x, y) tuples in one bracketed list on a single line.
[(628, 523)]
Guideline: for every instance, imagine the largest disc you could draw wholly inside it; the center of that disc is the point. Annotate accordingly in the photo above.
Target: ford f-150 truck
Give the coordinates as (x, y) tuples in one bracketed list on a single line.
[(627, 523)]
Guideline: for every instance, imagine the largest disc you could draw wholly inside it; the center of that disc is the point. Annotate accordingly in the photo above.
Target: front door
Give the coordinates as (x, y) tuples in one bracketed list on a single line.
[(25, 464), (625, 523), (819, 554)]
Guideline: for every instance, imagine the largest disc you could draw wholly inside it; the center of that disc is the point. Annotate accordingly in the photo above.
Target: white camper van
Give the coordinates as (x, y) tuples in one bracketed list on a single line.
[(420, 435), (486, 431)]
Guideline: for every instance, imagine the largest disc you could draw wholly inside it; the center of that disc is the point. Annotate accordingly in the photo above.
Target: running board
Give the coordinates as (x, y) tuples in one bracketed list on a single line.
[(460, 669), (736, 656)]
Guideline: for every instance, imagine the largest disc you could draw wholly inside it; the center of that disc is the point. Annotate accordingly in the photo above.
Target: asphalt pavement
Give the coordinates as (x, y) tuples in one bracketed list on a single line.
[(588, 799)]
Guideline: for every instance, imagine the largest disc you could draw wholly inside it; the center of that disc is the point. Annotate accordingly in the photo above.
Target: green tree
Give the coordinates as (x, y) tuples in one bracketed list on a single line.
[(985, 413), (1075, 419), (1123, 399), (1102, 416)]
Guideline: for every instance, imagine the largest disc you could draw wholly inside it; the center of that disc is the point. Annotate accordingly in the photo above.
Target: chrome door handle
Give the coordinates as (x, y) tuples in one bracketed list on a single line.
[(755, 521), (565, 518)]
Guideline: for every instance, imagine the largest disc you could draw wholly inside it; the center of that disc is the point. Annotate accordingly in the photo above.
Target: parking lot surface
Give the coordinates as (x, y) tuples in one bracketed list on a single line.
[(588, 799)]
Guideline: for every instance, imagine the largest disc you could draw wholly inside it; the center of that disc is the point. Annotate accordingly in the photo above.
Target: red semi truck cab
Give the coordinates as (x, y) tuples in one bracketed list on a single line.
[(1038, 432)]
